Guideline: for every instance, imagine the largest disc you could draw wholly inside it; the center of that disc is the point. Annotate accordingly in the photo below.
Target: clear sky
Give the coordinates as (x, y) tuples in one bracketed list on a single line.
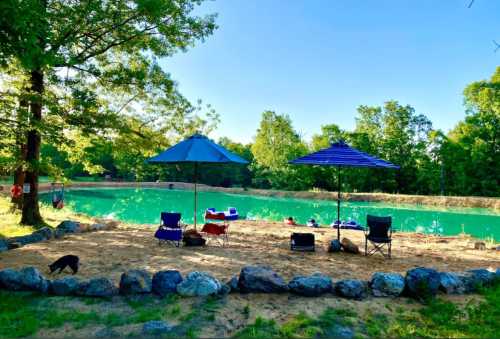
[(317, 60)]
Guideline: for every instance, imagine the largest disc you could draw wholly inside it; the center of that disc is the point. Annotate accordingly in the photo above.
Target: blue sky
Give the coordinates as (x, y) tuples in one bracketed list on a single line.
[(317, 60)]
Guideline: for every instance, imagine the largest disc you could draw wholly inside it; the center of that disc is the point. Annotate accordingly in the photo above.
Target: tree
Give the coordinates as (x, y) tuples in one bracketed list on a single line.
[(275, 144), (77, 54), (477, 139)]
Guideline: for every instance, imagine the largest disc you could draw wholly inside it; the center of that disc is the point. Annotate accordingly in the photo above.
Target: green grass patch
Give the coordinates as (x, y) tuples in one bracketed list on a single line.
[(440, 318), (300, 326)]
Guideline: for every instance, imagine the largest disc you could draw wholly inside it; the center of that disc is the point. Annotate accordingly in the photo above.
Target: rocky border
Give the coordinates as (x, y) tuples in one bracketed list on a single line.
[(47, 233), (419, 283)]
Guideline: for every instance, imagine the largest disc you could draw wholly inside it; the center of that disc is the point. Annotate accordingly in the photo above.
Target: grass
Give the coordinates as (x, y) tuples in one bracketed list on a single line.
[(24, 314), (300, 326), (9, 220), (440, 318), (436, 319)]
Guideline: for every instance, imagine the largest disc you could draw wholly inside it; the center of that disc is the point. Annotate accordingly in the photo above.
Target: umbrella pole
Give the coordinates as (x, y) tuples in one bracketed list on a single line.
[(195, 192), (338, 203)]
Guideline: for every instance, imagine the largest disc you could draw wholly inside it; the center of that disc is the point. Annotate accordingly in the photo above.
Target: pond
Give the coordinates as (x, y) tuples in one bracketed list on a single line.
[(143, 205)]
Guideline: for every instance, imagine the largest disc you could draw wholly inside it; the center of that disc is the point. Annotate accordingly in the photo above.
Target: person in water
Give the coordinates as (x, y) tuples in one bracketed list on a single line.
[(290, 221), (312, 223)]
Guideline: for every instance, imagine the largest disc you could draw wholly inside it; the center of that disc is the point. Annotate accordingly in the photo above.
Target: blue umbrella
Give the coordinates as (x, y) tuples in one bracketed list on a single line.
[(196, 149), (342, 155)]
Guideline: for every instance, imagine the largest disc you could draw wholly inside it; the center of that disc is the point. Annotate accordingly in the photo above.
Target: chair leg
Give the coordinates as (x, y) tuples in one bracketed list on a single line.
[(366, 246)]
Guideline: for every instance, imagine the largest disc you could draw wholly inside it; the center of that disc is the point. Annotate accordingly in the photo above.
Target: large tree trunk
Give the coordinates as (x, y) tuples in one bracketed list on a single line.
[(21, 156), (31, 212)]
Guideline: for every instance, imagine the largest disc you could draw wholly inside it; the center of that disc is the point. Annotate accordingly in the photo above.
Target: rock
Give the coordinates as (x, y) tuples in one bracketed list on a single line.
[(65, 286), (12, 245), (3, 246), (482, 277), (233, 284), (10, 279), (261, 279), (311, 286), (342, 332), (69, 226), (156, 327), (199, 284), (106, 332), (97, 227), (334, 246), (28, 239), (165, 282), (422, 282), (135, 282), (225, 289), (349, 246), (479, 245), (452, 283), (352, 289), (28, 279), (97, 287), (46, 232), (33, 280), (59, 233), (387, 284)]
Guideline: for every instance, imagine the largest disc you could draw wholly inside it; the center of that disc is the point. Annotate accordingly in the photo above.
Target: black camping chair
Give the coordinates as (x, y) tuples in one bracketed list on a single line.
[(379, 235), (303, 242)]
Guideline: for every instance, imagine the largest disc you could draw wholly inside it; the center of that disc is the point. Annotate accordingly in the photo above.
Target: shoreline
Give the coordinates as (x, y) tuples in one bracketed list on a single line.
[(440, 201)]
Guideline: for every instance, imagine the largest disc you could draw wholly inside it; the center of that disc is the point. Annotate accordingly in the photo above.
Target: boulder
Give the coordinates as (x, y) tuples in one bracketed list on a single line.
[(334, 246), (349, 246), (12, 245), (28, 239), (165, 282), (33, 280), (233, 284), (10, 279), (135, 282), (69, 226), (225, 289), (156, 328), (46, 232), (261, 279), (106, 332), (481, 277), (59, 233), (28, 279), (199, 284), (387, 284), (352, 289), (97, 287), (452, 283), (422, 282), (311, 286), (65, 286), (4, 246), (98, 227)]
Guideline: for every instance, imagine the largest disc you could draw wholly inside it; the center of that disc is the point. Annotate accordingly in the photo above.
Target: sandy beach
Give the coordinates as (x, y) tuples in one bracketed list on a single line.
[(109, 253)]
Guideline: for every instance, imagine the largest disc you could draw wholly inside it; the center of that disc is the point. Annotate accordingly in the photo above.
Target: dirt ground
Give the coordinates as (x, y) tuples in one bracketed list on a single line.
[(109, 253)]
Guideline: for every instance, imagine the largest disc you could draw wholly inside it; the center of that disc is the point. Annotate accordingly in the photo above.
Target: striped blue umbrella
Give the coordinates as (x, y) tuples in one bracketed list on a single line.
[(340, 155), (196, 150)]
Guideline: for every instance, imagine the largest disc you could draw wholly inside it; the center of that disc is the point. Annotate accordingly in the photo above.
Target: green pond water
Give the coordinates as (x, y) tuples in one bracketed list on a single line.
[(143, 205)]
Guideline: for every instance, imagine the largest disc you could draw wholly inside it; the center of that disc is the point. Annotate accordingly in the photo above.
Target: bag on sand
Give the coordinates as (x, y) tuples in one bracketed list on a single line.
[(193, 238)]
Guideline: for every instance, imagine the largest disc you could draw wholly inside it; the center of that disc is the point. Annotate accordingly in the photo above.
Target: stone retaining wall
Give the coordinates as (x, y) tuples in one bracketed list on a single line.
[(419, 283)]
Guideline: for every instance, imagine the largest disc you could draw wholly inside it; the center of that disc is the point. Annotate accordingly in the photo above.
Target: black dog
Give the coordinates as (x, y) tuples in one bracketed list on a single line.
[(68, 260)]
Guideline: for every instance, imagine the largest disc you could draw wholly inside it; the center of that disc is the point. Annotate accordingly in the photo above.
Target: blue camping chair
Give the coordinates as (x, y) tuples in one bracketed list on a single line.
[(170, 230)]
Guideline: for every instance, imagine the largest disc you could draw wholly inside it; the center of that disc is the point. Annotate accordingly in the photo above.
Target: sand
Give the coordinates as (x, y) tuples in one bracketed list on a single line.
[(109, 253)]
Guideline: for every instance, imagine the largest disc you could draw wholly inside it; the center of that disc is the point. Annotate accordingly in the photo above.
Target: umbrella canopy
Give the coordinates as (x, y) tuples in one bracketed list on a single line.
[(340, 155), (196, 149)]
